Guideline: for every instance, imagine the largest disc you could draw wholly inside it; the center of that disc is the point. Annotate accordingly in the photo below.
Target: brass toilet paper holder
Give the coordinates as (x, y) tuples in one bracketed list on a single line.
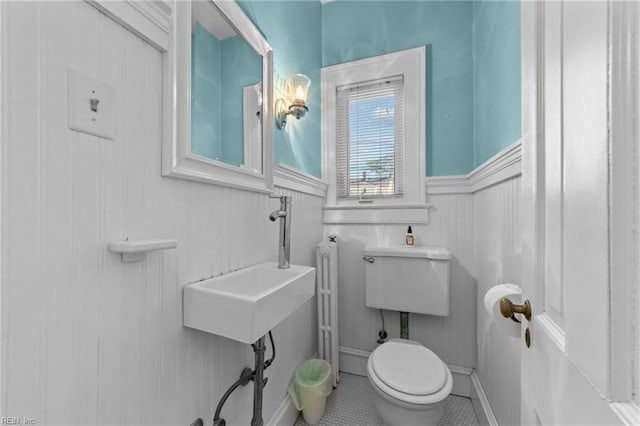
[(508, 309)]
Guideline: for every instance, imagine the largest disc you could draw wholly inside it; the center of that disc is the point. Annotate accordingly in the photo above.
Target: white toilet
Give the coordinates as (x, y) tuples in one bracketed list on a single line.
[(410, 381)]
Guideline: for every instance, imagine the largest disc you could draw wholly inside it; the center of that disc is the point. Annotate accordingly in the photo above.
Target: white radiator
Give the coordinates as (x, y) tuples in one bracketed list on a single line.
[(327, 296)]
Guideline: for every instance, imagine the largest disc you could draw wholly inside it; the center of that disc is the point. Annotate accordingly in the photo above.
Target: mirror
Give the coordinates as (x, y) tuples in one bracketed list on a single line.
[(225, 70), (222, 85)]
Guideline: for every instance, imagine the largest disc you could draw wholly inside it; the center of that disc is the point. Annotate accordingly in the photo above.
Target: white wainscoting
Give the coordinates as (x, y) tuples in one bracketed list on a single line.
[(450, 225), (495, 186), (476, 216), (497, 258), (88, 339)]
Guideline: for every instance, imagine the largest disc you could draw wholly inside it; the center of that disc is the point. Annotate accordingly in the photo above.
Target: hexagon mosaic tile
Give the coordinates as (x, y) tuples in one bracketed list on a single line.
[(352, 404)]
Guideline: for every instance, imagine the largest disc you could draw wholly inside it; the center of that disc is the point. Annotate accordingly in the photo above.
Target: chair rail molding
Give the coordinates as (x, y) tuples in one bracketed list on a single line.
[(288, 177), (505, 165)]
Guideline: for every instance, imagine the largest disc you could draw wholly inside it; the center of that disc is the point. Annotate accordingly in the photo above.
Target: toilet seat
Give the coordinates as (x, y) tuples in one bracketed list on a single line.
[(409, 372)]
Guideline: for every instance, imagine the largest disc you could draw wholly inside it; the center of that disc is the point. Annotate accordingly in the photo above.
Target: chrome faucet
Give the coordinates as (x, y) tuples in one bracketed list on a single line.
[(284, 246)]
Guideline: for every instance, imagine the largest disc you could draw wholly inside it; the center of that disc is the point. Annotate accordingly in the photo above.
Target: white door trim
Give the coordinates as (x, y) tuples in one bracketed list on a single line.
[(4, 135), (623, 152)]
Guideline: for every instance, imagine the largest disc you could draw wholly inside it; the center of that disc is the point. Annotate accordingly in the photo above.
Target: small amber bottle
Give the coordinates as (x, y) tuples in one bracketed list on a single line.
[(408, 239)]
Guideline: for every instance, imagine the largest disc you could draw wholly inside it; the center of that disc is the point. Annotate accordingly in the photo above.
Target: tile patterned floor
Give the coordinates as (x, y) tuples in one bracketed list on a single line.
[(352, 404)]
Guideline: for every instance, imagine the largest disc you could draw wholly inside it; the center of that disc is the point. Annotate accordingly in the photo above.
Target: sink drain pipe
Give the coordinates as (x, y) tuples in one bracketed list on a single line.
[(247, 375)]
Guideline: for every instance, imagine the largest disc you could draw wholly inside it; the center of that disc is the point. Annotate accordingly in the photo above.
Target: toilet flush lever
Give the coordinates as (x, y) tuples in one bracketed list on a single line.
[(368, 259)]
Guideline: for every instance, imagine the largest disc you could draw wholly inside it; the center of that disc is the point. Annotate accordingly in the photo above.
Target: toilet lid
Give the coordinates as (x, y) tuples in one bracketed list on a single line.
[(409, 368)]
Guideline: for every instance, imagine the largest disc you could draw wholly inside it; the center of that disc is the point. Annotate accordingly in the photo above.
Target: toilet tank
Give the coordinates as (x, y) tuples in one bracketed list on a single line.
[(408, 279)]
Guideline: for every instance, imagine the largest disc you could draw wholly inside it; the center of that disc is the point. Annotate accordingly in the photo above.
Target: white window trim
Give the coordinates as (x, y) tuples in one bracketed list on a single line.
[(349, 120), (409, 63)]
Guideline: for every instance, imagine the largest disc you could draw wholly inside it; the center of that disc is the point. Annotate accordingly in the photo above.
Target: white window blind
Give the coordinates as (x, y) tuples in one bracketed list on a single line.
[(370, 139)]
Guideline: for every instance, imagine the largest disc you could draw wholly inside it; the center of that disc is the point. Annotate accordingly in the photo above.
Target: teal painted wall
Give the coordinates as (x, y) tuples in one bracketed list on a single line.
[(356, 29), (206, 93), (473, 69), (219, 71), (241, 66), (496, 77), (293, 28)]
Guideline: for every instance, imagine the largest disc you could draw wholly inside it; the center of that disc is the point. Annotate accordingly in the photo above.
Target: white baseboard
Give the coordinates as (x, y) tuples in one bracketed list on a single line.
[(286, 413), (481, 405), (354, 361), (461, 380)]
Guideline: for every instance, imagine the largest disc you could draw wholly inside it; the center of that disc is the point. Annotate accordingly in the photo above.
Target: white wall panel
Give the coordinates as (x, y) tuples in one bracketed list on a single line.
[(452, 337), (88, 339), (497, 250), (553, 148), (586, 196)]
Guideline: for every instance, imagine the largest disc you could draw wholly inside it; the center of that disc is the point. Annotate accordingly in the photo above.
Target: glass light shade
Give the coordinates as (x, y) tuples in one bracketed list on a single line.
[(298, 87)]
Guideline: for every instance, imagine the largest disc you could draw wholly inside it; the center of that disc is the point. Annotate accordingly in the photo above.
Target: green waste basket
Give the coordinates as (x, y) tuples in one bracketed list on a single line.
[(309, 388)]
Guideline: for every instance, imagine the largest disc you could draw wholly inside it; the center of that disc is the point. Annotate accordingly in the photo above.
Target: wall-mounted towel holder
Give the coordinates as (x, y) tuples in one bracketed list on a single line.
[(135, 250)]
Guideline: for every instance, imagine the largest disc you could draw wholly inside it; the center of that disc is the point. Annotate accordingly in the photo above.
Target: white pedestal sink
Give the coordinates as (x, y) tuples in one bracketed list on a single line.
[(246, 304)]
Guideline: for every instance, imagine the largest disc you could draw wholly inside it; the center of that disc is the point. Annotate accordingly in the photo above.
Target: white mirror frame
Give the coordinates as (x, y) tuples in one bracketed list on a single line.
[(166, 25), (177, 159)]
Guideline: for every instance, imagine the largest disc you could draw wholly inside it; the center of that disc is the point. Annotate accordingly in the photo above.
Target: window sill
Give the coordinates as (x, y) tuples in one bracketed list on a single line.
[(377, 214)]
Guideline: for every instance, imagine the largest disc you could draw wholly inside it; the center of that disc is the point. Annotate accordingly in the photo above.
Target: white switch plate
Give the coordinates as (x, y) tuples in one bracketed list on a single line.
[(99, 121)]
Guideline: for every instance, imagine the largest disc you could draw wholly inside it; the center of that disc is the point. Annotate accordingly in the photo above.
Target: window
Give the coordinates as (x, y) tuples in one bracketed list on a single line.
[(373, 139), (370, 138)]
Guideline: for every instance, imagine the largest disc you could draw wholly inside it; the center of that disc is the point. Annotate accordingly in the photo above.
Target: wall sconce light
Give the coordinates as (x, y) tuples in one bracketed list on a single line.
[(295, 93)]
